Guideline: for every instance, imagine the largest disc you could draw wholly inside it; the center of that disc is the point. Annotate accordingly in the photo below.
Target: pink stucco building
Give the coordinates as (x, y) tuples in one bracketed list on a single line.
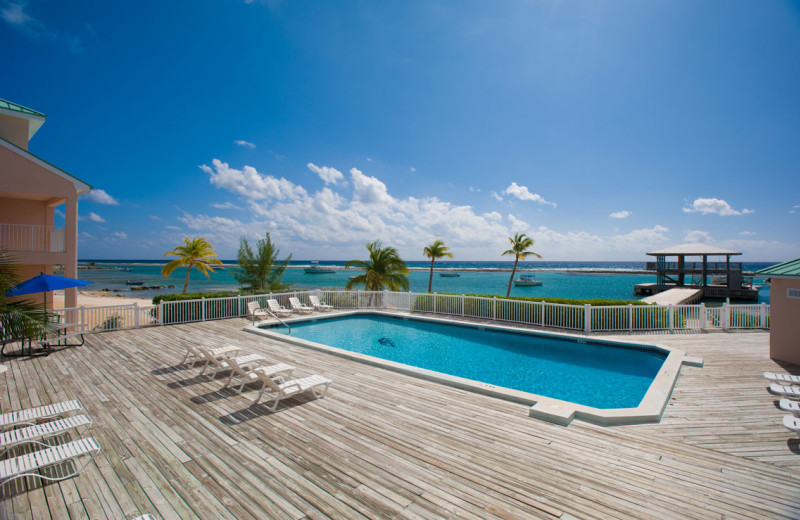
[(30, 191)]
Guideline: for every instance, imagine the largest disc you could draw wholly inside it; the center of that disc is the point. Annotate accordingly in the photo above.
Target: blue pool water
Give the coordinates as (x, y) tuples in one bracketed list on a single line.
[(592, 374)]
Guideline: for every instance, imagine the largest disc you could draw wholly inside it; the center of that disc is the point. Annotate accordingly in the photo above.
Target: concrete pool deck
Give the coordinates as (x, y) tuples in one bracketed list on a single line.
[(386, 445)]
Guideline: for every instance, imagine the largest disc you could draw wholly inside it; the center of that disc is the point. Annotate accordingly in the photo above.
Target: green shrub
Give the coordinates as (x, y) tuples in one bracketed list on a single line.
[(113, 322)]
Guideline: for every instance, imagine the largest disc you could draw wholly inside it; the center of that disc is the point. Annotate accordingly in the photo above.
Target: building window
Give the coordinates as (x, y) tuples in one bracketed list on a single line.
[(793, 293)]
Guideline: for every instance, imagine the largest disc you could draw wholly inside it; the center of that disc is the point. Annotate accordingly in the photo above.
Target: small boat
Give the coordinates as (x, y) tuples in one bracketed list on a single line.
[(527, 280), (449, 274), (315, 268), (128, 282)]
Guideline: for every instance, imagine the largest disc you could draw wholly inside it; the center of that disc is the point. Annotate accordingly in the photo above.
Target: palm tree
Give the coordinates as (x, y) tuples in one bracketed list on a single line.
[(519, 248), (436, 250), (18, 318), (195, 252), (262, 272), (384, 270)]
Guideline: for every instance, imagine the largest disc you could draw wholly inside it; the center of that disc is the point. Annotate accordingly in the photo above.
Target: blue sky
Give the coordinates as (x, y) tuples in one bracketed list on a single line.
[(601, 129)]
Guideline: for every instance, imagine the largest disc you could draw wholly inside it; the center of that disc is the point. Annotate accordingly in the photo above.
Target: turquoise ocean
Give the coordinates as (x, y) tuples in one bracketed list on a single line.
[(574, 280)]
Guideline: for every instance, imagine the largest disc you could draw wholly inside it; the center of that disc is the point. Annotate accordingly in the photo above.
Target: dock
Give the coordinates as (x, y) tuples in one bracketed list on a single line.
[(674, 296)]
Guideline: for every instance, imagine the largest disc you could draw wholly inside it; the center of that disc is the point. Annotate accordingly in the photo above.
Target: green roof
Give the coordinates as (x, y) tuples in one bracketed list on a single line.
[(8, 105), (790, 268)]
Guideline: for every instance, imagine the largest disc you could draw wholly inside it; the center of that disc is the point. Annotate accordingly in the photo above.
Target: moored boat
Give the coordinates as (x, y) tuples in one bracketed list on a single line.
[(527, 280), (449, 274), (315, 268)]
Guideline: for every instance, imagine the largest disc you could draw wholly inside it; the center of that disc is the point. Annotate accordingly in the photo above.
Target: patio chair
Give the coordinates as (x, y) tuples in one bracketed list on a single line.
[(196, 356), (28, 465), (38, 432), (294, 302), (277, 309), (792, 423), (278, 391), (279, 371), (255, 312), (318, 305), (783, 379), (39, 414), (785, 390), (790, 406), (221, 363)]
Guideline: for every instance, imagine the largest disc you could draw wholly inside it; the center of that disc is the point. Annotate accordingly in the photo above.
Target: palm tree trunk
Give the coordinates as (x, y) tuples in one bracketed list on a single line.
[(508, 292), (430, 278), (186, 283)]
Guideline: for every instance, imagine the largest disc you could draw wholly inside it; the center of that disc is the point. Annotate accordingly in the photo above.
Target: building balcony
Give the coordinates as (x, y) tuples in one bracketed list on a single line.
[(31, 238)]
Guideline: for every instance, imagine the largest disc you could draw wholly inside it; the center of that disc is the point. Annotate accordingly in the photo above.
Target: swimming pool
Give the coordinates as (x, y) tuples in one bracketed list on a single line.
[(594, 378), (602, 376)]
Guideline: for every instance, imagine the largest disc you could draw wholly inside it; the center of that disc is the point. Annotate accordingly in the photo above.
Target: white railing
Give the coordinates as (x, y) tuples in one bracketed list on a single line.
[(29, 238), (587, 318)]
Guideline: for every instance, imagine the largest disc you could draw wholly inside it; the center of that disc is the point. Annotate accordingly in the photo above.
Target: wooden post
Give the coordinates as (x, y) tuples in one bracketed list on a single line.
[(587, 320)]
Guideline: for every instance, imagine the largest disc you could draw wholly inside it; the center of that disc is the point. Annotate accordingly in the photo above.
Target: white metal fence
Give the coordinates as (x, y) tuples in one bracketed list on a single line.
[(587, 318)]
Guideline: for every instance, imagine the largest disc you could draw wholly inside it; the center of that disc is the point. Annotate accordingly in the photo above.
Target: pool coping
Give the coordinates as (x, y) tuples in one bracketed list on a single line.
[(650, 409)]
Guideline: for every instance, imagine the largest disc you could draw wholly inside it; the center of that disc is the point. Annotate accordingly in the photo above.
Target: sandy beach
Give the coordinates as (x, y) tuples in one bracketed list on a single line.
[(98, 299)]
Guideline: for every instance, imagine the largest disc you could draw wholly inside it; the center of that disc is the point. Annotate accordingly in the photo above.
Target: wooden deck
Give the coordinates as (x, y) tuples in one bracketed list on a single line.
[(385, 445)]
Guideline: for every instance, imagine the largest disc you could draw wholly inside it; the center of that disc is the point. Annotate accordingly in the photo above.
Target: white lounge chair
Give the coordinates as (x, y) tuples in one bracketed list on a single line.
[(294, 302), (278, 391), (322, 307), (38, 432), (28, 465), (792, 423), (36, 415), (195, 355), (790, 406), (784, 379), (255, 312), (280, 371), (277, 309), (786, 390), (222, 364)]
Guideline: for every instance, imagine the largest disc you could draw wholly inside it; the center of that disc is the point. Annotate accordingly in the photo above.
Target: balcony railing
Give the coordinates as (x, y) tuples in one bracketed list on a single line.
[(31, 238)]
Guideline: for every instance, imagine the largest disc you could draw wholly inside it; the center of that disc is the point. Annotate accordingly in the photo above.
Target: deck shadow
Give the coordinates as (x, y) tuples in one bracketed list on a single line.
[(254, 411), (171, 370), (216, 395)]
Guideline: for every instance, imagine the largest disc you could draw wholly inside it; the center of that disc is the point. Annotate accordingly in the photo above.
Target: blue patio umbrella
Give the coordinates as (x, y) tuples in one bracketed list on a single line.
[(44, 283)]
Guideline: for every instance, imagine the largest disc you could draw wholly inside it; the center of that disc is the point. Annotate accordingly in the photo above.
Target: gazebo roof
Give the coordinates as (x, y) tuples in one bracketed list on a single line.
[(694, 250)]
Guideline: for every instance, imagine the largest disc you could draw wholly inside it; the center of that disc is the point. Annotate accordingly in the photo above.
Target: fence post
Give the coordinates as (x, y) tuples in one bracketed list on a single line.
[(671, 312), (726, 315), (239, 305), (83, 318), (587, 320), (202, 308), (494, 308), (434, 302), (763, 322), (703, 316), (160, 312), (135, 315), (630, 317), (462, 305)]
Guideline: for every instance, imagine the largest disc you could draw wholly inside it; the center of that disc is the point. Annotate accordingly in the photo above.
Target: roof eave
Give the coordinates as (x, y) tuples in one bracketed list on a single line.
[(80, 186)]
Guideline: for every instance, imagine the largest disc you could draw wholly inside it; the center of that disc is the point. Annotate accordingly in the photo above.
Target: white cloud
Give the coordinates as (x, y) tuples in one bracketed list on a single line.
[(794, 208), (251, 184), (517, 225), (14, 14), (154, 217), (474, 189), (522, 193), (412, 169), (100, 197), (326, 173), (244, 144), (369, 159), (369, 190), (697, 237), (497, 197), (120, 234), (748, 233), (172, 228), (92, 217), (620, 214), (226, 205), (59, 213), (714, 206)]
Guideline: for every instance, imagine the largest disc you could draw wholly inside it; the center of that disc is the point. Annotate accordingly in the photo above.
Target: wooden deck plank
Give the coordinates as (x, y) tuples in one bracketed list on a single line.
[(386, 445)]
